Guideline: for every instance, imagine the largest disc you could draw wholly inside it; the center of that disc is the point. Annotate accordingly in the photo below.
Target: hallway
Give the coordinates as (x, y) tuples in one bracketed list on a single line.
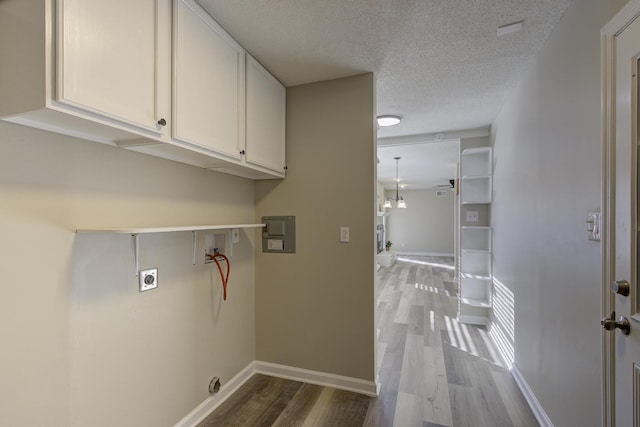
[(435, 371)]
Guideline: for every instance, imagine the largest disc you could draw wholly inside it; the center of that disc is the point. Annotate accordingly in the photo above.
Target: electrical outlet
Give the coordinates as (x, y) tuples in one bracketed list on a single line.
[(472, 216), (344, 234), (148, 279)]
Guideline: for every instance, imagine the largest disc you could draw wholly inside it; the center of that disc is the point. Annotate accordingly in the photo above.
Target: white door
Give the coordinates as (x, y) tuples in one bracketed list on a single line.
[(109, 59), (626, 406)]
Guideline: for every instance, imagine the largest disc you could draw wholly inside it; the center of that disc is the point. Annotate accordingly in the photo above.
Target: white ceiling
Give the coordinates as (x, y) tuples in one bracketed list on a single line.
[(438, 63)]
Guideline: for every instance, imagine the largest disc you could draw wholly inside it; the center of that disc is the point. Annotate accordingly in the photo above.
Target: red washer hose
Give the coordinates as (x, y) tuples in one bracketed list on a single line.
[(225, 279)]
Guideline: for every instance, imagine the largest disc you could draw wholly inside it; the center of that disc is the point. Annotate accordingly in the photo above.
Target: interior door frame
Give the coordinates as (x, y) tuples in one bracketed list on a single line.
[(626, 16)]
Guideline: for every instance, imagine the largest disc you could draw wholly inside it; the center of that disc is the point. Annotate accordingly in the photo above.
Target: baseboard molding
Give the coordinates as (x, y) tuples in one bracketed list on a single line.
[(424, 254), (215, 400), (531, 398), (473, 320), (192, 419), (319, 378)]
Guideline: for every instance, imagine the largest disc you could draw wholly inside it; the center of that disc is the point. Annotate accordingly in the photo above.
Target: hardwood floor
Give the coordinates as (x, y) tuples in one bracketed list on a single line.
[(434, 371), (267, 401)]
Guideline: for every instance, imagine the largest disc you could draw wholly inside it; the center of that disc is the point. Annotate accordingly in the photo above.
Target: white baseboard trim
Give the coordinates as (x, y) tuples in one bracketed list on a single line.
[(473, 320), (424, 254), (211, 403), (531, 398), (201, 412), (319, 378)]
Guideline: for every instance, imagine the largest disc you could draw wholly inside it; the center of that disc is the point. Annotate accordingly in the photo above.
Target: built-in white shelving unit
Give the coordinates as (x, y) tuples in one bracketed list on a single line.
[(476, 278), (230, 229)]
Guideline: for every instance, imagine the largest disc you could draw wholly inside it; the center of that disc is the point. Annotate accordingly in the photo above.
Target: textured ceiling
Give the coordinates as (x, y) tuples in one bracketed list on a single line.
[(438, 63)]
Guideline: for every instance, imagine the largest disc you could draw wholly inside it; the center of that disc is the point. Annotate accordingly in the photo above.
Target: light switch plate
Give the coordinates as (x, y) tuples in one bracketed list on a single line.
[(593, 225), (344, 234)]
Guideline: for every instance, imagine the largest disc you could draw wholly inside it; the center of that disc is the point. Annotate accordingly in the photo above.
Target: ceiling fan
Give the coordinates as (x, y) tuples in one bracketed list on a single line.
[(451, 185)]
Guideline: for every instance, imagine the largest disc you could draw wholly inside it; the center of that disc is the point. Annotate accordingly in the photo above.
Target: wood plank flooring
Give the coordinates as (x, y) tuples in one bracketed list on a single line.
[(434, 371)]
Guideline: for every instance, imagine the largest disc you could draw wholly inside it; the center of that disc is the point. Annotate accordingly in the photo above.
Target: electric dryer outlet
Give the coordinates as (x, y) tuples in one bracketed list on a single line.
[(148, 279)]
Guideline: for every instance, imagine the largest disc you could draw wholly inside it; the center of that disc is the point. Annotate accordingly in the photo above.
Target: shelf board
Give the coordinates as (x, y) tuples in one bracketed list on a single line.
[(470, 177), (476, 202), (476, 227), (475, 302), (146, 230), (476, 150), (477, 251), (473, 320), (475, 276)]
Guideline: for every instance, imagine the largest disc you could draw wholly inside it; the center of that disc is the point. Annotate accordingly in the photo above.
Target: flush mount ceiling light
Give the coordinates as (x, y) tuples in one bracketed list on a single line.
[(399, 199), (388, 120)]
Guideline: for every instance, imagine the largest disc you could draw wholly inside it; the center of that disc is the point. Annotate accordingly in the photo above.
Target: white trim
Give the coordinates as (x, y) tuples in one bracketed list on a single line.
[(211, 403), (532, 400), (424, 254), (325, 379), (340, 382), (433, 137), (474, 320)]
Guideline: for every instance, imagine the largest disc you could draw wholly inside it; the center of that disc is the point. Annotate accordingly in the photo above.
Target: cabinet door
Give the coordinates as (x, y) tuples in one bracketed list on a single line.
[(266, 115), (208, 83), (109, 54)]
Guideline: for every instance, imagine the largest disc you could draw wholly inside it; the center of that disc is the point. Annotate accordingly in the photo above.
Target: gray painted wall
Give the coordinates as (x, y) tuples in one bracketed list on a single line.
[(315, 308), (426, 225), (547, 143)]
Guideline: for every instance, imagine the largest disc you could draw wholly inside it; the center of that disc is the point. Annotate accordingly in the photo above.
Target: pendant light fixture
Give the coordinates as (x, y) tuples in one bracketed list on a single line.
[(399, 199)]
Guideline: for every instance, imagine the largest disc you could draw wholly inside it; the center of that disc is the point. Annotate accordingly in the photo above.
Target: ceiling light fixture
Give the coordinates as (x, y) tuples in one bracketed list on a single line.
[(388, 120), (399, 199)]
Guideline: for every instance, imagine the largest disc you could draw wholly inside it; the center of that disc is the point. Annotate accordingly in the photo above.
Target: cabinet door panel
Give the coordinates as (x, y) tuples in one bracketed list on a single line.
[(208, 83), (107, 59), (266, 111)]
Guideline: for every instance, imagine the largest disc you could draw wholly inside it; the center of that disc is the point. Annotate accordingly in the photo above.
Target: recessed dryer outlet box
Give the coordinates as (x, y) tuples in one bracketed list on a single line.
[(215, 242), (148, 279)]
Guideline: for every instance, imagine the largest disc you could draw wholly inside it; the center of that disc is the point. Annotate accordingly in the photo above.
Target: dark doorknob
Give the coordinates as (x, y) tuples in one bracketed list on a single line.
[(621, 287), (610, 323)]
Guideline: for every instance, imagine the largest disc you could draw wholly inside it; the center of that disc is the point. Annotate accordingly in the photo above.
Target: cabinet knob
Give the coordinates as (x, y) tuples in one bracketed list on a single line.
[(162, 122), (242, 153)]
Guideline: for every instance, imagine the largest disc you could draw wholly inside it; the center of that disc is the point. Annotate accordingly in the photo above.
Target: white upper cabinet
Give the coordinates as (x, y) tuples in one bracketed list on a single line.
[(266, 115), (159, 77), (86, 68), (208, 83), (110, 54)]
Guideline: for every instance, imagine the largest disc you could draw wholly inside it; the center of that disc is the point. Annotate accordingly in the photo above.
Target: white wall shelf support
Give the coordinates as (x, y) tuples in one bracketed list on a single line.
[(194, 238), (136, 231), (147, 230), (135, 251)]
